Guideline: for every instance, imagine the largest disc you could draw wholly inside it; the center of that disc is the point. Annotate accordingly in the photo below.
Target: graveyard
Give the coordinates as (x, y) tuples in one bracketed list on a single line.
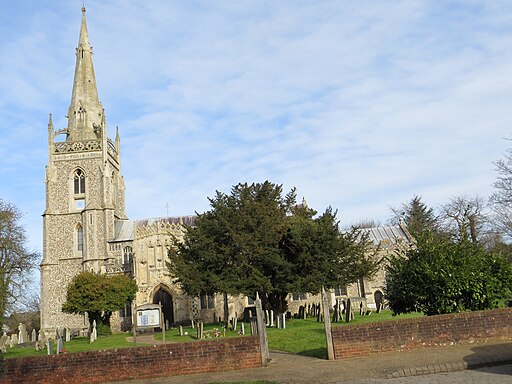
[(301, 336)]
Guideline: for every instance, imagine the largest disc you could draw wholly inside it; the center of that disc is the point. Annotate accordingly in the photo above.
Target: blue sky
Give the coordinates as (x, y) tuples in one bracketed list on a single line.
[(360, 105)]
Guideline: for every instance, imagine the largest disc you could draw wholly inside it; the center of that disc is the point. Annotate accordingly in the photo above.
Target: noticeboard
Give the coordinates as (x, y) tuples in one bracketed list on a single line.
[(148, 317)]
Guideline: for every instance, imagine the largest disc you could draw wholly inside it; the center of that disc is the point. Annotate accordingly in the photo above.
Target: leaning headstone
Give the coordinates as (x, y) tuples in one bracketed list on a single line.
[(267, 318), (262, 332), (327, 325)]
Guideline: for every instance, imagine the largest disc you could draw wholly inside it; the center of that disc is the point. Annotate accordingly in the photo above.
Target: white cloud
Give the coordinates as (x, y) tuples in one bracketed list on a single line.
[(360, 105)]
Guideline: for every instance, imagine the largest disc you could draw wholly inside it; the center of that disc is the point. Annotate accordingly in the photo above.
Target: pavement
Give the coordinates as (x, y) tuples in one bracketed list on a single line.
[(286, 368)]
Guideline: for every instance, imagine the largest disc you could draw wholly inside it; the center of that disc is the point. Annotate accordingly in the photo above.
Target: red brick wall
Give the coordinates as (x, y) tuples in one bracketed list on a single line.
[(398, 335), (135, 363)]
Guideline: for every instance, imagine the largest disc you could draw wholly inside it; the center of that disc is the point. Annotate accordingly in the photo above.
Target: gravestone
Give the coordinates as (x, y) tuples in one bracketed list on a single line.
[(68, 335), (3, 343), (34, 336), (284, 321), (181, 330), (94, 334), (348, 312), (14, 340), (254, 325), (49, 346), (200, 330), (60, 345), (242, 329), (22, 334)]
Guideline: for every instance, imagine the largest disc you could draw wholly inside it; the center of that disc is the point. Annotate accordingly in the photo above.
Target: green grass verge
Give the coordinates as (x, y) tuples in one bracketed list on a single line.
[(303, 337)]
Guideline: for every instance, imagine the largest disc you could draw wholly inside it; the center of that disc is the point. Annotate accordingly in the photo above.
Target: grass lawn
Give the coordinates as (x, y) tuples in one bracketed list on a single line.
[(303, 337), (307, 337), (80, 344)]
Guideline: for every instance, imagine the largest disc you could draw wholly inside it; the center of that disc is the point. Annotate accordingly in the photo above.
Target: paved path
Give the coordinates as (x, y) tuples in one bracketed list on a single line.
[(292, 369), (501, 374)]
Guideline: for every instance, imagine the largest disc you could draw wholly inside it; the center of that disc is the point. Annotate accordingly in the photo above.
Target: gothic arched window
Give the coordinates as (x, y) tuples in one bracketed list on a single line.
[(79, 182)]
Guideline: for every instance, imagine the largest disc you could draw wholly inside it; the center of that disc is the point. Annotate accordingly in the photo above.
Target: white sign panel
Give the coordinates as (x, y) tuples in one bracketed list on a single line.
[(148, 318)]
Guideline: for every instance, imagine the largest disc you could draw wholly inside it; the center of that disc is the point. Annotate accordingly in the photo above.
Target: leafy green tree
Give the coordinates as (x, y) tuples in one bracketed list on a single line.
[(444, 276), (98, 295), (17, 262), (256, 240)]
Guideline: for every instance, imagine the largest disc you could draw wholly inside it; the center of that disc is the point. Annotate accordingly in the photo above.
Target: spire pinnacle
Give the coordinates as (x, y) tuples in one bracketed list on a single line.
[(85, 114)]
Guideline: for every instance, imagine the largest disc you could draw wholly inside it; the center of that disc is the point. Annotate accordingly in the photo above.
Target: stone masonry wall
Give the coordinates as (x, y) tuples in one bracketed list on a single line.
[(135, 363), (399, 335)]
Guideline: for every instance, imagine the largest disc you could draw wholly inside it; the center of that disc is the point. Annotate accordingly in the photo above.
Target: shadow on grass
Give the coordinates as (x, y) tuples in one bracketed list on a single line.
[(319, 353)]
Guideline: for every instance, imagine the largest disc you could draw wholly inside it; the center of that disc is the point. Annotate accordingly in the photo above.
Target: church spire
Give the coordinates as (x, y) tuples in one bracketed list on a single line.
[(85, 111)]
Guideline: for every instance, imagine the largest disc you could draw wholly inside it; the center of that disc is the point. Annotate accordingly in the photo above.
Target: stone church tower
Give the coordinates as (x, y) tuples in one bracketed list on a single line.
[(84, 192)]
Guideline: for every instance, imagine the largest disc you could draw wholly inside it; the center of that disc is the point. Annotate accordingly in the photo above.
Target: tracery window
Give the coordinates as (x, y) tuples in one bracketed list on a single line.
[(79, 182), (127, 255)]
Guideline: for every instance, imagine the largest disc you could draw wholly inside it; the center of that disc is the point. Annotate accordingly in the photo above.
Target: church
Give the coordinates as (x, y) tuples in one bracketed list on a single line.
[(85, 226)]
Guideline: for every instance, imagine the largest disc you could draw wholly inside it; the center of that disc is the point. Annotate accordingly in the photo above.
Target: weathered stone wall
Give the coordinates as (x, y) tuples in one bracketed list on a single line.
[(400, 335), (135, 363)]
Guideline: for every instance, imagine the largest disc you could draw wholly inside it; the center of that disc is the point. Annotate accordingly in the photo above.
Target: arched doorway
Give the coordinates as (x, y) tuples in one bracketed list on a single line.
[(164, 297), (379, 298)]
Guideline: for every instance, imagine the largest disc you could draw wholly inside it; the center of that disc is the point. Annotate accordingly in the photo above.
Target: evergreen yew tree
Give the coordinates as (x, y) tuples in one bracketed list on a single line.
[(257, 240), (99, 295), (417, 216)]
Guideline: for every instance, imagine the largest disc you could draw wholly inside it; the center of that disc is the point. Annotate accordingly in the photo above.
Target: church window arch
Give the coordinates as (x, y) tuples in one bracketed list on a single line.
[(79, 182)]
